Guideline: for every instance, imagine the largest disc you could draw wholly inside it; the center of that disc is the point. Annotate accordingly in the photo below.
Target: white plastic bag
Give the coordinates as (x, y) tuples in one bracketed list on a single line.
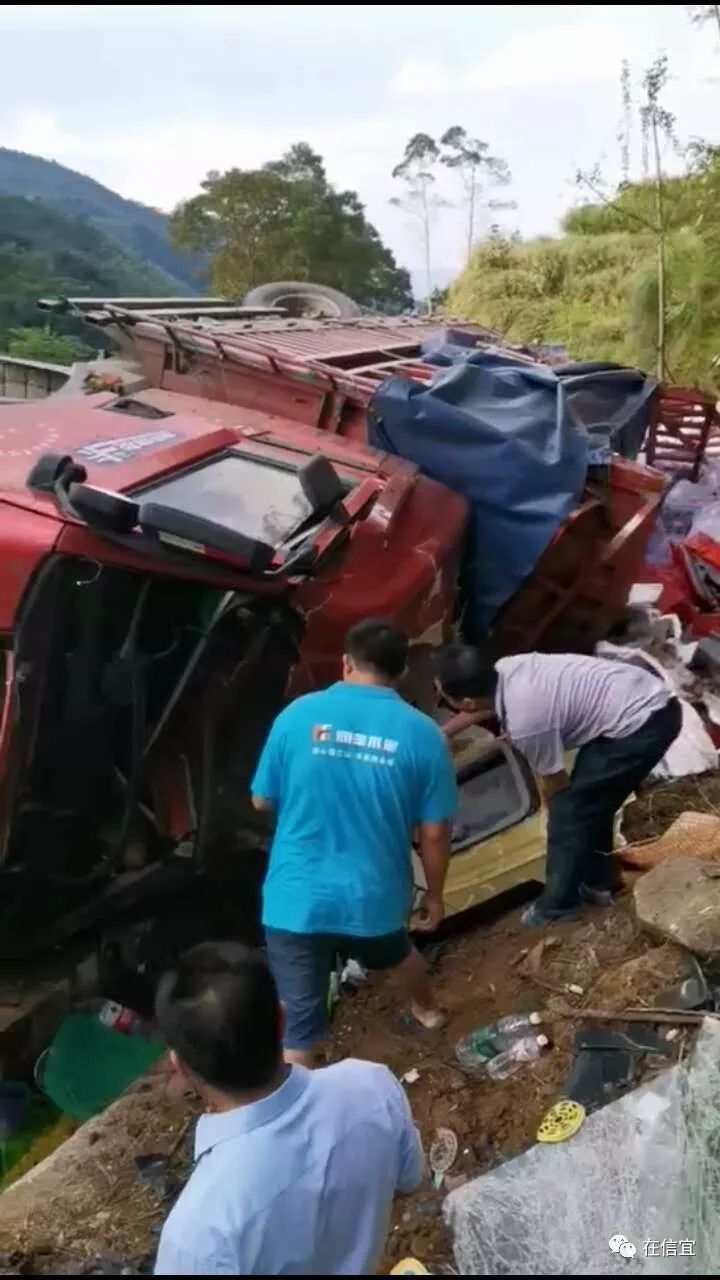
[(693, 751)]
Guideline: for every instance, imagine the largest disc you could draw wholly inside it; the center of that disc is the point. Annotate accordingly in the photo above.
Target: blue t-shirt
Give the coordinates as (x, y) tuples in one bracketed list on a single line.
[(350, 771)]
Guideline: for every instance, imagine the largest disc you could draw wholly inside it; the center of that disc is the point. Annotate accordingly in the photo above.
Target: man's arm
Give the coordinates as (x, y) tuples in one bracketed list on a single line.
[(552, 783), (206, 1253), (412, 1168), (434, 851), (438, 806), (545, 753)]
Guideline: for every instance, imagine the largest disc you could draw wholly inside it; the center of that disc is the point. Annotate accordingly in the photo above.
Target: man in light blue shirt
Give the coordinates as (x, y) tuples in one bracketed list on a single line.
[(351, 773), (295, 1170)]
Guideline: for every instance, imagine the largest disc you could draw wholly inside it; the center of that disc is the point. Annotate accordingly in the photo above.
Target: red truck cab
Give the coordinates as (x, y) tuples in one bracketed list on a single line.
[(171, 573)]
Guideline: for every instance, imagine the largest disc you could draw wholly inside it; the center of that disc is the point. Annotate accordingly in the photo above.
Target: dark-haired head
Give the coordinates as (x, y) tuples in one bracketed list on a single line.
[(220, 1015), (466, 677), (376, 652)]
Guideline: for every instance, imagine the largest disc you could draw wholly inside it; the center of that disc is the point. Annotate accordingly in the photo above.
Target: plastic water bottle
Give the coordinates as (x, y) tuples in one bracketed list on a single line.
[(503, 1033), (477, 1048), (528, 1049), (119, 1018)]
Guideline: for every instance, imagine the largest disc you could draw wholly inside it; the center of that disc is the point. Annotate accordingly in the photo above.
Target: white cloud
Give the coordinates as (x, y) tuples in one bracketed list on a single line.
[(166, 162), (544, 92), (550, 57), (423, 78)]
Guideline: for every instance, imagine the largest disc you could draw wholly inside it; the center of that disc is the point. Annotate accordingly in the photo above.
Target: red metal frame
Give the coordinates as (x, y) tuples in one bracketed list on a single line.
[(322, 374), (685, 430)]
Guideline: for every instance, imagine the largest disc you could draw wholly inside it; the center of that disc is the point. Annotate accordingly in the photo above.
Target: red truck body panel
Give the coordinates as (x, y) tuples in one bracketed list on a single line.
[(401, 560), (323, 374)]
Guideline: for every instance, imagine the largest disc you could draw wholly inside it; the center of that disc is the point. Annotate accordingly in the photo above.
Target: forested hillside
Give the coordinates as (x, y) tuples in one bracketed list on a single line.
[(142, 231), (42, 251)]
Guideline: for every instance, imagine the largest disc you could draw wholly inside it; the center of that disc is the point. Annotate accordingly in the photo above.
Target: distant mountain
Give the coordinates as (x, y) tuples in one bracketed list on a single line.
[(43, 251), (138, 228)]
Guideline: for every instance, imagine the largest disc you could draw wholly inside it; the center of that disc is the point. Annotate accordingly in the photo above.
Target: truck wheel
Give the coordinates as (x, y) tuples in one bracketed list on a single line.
[(303, 298)]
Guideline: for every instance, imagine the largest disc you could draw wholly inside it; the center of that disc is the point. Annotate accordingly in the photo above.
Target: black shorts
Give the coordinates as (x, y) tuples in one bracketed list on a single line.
[(302, 963)]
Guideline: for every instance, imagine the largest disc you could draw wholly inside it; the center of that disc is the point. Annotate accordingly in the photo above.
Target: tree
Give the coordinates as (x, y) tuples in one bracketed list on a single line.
[(286, 222), (657, 126), (658, 123), (44, 345), (702, 13), (421, 199), (471, 159)]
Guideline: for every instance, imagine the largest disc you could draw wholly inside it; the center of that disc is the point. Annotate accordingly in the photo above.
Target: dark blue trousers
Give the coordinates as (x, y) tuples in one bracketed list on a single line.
[(581, 818)]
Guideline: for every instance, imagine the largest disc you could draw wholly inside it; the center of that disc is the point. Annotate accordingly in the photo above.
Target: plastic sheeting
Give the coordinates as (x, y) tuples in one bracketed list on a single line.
[(693, 752), (612, 403), (644, 1168), (499, 433), (515, 438)]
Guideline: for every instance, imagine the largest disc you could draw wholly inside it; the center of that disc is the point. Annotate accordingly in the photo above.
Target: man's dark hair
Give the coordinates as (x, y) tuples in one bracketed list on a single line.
[(376, 645), (219, 1010), (466, 672)]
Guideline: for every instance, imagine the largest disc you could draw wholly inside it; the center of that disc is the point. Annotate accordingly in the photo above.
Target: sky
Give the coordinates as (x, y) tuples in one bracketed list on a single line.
[(148, 98)]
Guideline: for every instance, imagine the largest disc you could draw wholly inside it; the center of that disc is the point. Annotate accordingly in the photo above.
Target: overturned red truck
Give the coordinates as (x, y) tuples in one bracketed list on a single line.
[(188, 531)]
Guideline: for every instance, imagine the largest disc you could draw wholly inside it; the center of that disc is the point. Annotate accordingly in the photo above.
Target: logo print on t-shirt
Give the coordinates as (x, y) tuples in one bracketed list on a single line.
[(345, 745)]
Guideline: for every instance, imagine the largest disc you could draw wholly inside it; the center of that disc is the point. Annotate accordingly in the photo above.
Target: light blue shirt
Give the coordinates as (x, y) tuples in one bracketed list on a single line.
[(550, 703), (299, 1184), (351, 771)]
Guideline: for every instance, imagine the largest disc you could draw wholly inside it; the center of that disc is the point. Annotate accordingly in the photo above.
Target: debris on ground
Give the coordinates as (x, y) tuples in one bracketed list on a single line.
[(603, 963), (443, 1154), (99, 1201), (84, 1209), (657, 807), (680, 901), (692, 835), (646, 1161)]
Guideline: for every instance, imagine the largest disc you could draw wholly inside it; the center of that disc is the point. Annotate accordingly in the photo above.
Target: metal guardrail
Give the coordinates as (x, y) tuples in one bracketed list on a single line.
[(29, 379)]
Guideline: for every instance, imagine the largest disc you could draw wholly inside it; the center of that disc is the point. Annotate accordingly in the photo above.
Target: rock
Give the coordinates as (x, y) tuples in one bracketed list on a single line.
[(680, 902)]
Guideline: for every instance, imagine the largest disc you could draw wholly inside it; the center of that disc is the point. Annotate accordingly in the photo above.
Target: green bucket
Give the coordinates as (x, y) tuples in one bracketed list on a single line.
[(88, 1065)]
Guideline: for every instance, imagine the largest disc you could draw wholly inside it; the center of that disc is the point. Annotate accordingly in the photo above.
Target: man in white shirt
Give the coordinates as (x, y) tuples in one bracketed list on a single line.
[(621, 718)]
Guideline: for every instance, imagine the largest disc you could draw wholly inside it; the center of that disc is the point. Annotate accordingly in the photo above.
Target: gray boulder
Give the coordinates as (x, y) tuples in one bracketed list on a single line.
[(680, 900)]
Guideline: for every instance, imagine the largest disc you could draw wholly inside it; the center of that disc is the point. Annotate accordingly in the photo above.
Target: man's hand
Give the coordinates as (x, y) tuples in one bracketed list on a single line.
[(432, 914), (552, 784)]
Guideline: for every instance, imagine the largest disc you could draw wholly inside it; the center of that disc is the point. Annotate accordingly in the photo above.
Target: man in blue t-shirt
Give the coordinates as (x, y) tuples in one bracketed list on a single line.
[(351, 773)]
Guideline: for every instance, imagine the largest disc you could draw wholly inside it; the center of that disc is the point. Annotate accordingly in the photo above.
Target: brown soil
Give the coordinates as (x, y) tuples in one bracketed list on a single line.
[(86, 1201), (480, 974), (478, 978), (657, 806)]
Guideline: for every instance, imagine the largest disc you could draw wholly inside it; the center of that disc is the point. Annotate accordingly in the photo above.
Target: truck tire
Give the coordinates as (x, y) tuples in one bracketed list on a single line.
[(303, 298)]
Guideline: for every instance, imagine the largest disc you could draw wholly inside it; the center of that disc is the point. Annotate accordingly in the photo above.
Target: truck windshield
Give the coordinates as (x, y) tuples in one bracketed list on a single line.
[(262, 502)]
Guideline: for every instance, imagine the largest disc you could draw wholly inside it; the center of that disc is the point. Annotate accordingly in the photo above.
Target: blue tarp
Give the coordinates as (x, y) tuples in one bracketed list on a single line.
[(499, 432)]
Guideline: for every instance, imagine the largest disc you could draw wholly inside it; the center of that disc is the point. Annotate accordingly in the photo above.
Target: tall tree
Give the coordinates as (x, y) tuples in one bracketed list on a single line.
[(657, 126), (421, 199), (286, 221), (478, 169)]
